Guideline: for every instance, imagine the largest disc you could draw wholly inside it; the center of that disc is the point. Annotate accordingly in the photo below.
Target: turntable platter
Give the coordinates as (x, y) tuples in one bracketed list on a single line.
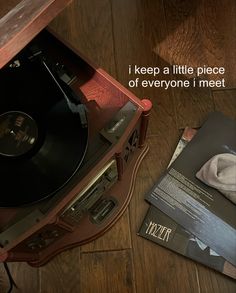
[(42, 142)]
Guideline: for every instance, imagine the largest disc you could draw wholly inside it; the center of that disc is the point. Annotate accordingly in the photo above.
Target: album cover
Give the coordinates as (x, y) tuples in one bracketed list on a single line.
[(202, 210), (161, 229)]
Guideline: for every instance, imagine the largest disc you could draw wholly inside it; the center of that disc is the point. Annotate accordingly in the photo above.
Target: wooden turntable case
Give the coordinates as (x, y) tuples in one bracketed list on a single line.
[(21, 228)]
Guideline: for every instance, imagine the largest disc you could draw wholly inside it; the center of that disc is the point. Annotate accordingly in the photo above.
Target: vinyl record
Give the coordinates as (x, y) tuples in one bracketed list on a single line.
[(42, 142)]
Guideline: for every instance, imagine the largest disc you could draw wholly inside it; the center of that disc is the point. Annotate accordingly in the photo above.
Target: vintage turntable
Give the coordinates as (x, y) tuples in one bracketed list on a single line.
[(71, 141)]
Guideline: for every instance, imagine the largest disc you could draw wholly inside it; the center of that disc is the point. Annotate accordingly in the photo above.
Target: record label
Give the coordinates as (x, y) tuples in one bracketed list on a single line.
[(18, 133)]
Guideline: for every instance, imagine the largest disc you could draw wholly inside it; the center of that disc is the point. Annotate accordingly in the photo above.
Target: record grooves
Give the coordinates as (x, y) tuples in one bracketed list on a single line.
[(42, 141)]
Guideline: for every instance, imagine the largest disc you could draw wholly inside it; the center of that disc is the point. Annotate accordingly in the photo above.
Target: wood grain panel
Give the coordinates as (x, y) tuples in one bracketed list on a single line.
[(6, 6), (25, 277), (110, 271), (202, 33), (225, 101), (62, 274), (88, 26), (133, 38), (192, 106), (4, 282), (211, 281), (183, 44), (21, 24)]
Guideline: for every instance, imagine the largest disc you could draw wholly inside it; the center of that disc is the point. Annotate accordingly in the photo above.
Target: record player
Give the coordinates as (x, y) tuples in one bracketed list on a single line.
[(71, 141)]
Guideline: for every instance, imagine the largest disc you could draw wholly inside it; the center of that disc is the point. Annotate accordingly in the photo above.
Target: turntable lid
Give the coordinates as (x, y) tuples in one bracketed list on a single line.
[(21, 21)]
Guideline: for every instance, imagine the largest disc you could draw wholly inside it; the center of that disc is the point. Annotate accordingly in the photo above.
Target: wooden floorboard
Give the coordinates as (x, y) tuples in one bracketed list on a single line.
[(225, 101), (62, 274), (88, 26), (26, 278), (198, 102), (211, 281), (201, 33), (115, 34), (109, 271)]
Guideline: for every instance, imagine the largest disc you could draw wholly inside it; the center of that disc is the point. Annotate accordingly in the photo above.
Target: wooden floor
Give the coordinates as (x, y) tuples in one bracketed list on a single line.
[(114, 34)]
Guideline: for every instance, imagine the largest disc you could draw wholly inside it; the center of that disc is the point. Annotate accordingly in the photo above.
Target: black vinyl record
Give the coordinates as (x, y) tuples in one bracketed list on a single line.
[(42, 142)]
